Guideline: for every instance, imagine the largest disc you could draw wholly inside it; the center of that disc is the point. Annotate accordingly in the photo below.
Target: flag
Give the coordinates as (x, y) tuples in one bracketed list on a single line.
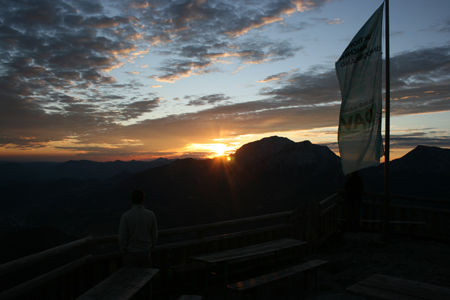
[(359, 74)]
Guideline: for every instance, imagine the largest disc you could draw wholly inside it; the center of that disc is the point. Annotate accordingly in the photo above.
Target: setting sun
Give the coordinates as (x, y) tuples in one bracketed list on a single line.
[(219, 149), (212, 150)]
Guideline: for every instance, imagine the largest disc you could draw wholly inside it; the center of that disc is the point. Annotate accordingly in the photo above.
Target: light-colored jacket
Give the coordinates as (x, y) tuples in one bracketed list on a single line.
[(138, 230)]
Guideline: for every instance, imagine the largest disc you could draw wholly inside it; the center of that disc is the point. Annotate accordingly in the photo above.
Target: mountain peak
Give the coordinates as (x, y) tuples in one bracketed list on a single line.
[(263, 148), (281, 150), (426, 152)]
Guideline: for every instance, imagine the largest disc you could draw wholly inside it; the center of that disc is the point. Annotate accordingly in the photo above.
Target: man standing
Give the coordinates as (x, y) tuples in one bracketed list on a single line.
[(138, 232)]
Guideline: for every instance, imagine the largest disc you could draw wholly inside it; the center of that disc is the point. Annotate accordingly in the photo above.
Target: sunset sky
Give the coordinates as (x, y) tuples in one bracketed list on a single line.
[(107, 80)]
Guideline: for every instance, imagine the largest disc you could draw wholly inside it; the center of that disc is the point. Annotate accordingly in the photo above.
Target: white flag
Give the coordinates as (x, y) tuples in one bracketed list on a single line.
[(359, 74)]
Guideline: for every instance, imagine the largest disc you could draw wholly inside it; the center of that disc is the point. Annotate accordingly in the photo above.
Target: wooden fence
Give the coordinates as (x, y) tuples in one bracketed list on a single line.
[(421, 217), (66, 271)]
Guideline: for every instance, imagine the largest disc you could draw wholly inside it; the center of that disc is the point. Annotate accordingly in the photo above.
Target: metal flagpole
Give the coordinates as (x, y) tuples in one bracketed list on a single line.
[(387, 188)]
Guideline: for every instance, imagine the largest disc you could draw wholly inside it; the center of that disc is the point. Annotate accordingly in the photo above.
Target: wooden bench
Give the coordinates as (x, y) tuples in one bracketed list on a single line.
[(248, 252), (224, 259), (253, 283), (387, 287), (222, 237), (126, 283)]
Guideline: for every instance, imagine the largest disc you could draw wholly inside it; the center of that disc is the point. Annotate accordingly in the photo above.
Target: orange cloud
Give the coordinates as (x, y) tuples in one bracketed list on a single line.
[(143, 52), (140, 5), (255, 25)]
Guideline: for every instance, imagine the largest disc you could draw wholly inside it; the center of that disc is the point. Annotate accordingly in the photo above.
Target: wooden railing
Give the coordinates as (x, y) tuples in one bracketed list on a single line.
[(66, 271), (329, 210), (422, 217)]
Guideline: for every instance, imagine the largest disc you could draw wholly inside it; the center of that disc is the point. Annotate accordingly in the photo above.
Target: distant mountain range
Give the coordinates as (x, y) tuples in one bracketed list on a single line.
[(422, 172), (84, 197), (73, 169)]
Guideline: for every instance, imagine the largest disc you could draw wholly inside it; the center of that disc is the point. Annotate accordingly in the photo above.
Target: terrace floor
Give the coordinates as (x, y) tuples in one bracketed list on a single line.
[(352, 257), (356, 256)]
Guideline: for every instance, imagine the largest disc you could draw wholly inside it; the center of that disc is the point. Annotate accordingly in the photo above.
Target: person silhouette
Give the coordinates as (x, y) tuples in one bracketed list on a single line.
[(138, 233)]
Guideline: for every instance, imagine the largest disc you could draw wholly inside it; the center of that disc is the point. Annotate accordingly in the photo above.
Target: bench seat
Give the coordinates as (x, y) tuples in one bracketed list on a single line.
[(252, 283), (123, 284)]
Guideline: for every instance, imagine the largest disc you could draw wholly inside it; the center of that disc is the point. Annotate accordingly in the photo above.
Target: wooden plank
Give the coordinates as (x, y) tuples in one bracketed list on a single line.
[(123, 284), (205, 227), (27, 261), (194, 242), (274, 276), (331, 198), (202, 227), (418, 289), (249, 251), (323, 212), (38, 282)]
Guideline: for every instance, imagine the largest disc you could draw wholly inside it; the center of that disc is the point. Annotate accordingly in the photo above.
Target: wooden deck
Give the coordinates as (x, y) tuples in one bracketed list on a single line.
[(392, 288)]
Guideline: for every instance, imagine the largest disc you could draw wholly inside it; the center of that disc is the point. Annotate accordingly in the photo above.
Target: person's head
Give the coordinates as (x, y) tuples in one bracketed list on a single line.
[(137, 197)]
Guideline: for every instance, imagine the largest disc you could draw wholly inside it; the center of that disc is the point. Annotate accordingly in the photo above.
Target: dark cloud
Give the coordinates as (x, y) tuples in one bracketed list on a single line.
[(409, 140), (88, 6), (197, 31), (421, 67), (420, 83), (306, 88), (209, 99), (49, 52), (267, 13), (136, 109), (445, 26), (198, 59), (175, 69), (105, 22), (329, 21)]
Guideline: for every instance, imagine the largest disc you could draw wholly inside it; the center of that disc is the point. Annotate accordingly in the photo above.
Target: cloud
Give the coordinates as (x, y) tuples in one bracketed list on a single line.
[(177, 69), (305, 100), (275, 77), (105, 22), (199, 59), (445, 26), (139, 4), (88, 6), (209, 99), (413, 75), (136, 109), (203, 33), (267, 14), (59, 61), (329, 21), (428, 138), (52, 51)]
